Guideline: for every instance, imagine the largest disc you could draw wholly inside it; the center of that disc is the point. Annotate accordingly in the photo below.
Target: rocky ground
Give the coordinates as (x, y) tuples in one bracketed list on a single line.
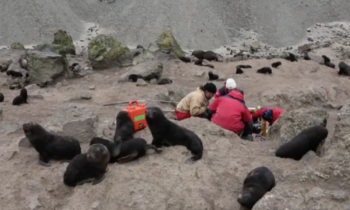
[(74, 106)]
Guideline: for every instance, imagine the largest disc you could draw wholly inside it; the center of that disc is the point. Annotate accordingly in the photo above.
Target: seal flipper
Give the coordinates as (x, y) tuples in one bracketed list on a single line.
[(98, 179), (128, 158), (44, 160), (157, 150), (85, 181)]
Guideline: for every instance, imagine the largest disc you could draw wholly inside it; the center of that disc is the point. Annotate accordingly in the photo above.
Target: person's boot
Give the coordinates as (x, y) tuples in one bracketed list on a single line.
[(248, 137)]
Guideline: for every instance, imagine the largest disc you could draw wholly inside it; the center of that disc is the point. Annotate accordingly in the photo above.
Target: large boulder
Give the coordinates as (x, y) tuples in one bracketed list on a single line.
[(147, 70), (74, 121), (106, 52), (296, 97), (290, 123), (17, 46), (44, 67), (62, 44), (166, 42)]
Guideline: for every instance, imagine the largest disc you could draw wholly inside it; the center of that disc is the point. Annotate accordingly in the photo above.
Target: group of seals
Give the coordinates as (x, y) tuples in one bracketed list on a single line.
[(167, 133), (264, 70), (163, 81), (307, 140), (257, 183)]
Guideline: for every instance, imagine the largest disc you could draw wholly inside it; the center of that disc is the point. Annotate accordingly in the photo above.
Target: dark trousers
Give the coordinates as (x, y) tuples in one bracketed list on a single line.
[(247, 130)]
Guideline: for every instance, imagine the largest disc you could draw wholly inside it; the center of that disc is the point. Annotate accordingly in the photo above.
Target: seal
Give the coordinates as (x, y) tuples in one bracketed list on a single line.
[(239, 70), (127, 151), (14, 74), (210, 56), (50, 146), (198, 54), (264, 70), (326, 59), (344, 69), (87, 168), (258, 182), (2, 97), (212, 76), (21, 99), (167, 133), (276, 64), (165, 81), (185, 59), (125, 127), (291, 57), (331, 65), (306, 56), (244, 66), (113, 147), (308, 139), (133, 77)]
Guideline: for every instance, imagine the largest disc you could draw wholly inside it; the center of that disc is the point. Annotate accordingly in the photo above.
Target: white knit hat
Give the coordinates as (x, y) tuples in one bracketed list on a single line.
[(230, 84)]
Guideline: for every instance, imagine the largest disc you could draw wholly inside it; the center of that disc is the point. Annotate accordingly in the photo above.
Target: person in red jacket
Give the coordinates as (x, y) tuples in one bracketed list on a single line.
[(230, 84), (268, 114), (231, 113)]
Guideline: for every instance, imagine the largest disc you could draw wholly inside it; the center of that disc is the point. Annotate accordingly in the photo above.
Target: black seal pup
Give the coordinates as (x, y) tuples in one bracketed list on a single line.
[(87, 168), (50, 146), (21, 99), (210, 56), (276, 64), (326, 59), (344, 69), (185, 59), (308, 139), (167, 133), (264, 70), (2, 97), (113, 147), (291, 57), (165, 81), (331, 65), (306, 56), (133, 77), (125, 127), (239, 70), (198, 54), (126, 151), (258, 182), (212, 76), (14, 74)]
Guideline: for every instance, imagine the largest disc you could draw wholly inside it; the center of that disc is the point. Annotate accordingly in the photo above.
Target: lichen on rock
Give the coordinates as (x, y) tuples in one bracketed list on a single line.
[(17, 46), (106, 52), (62, 44), (167, 42)]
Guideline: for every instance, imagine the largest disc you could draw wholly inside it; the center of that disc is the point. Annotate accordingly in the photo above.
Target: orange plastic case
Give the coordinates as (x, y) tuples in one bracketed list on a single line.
[(137, 114)]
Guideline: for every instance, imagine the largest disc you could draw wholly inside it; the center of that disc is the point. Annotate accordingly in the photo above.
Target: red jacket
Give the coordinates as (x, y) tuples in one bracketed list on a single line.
[(223, 91), (229, 113), (275, 114)]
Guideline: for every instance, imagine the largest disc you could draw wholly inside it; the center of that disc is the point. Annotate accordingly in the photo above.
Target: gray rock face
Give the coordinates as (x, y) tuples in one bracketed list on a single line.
[(147, 70), (295, 97), (73, 121), (44, 67), (290, 123)]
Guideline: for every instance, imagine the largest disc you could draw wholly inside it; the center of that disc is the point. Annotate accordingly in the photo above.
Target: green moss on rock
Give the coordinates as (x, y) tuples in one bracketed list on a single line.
[(106, 52), (17, 45), (65, 42), (166, 41)]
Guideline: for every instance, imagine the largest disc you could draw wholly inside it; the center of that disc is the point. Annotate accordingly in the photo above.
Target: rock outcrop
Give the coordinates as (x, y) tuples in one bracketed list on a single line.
[(290, 123), (17, 46), (167, 43), (74, 121), (147, 70), (296, 97), (62, 44), (44, 67), (106, 52)]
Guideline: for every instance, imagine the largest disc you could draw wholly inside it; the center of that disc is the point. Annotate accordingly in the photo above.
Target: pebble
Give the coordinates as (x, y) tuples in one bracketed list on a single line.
[(92, 87), (34, 203), (95, 204), (340, 196), (85, 95), (200, 74), (141, 82)]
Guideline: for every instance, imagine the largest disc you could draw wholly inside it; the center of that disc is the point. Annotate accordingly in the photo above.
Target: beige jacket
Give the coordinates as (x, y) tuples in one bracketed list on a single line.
[(194, 103)]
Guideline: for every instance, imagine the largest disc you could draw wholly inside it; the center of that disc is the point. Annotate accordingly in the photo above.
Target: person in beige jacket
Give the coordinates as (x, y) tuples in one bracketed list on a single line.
[(195, 103)]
